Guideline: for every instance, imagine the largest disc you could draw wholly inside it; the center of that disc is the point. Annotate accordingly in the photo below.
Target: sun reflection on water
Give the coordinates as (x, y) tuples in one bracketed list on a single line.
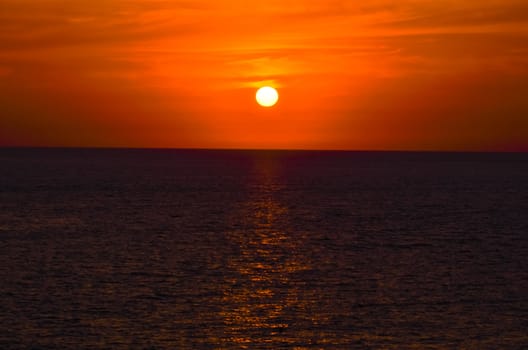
[(260, 296)]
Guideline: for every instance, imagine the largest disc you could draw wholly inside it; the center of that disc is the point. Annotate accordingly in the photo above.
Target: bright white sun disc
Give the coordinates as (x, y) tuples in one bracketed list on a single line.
[(267, 96)]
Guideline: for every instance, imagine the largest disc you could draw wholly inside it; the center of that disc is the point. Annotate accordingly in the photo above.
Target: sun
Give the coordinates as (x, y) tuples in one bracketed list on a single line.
[(267, 96)]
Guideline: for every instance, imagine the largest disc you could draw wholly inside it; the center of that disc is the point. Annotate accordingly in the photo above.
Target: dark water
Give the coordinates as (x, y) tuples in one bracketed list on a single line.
[(154, 249)]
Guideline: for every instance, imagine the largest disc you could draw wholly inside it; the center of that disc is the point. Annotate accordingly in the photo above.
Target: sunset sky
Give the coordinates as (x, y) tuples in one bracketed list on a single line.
[(372, 74)]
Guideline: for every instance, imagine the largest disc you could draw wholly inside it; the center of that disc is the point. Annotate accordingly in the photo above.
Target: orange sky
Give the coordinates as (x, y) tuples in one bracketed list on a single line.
[(372, 74)]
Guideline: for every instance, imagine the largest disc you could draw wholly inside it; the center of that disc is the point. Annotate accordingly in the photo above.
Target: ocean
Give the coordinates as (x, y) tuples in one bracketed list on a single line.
[(217, 249)]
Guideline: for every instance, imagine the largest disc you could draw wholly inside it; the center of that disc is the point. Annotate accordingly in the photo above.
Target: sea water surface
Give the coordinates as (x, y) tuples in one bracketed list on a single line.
[(197, 249)]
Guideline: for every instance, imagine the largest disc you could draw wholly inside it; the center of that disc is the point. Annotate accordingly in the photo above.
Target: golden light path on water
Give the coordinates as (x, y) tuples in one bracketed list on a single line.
[(264, 296)]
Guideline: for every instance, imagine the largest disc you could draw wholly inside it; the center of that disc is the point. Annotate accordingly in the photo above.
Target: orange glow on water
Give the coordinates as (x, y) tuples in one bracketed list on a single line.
[(266, 260)]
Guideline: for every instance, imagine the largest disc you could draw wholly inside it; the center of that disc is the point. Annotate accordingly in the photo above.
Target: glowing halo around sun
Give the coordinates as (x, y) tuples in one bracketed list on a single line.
[(267, 96)]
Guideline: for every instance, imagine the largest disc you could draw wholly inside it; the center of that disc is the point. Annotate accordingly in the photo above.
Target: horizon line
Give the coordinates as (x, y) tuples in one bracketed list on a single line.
[(234, 149)]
